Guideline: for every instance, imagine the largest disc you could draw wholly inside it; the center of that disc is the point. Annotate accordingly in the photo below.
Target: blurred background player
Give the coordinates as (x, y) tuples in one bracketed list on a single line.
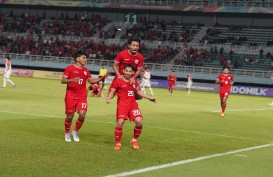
[(145, 81), (75, 76), (225, 80), (96, 90), (172, 79), (102, 73), (7, 73), (189, 84), (127, 107), (270, 104)]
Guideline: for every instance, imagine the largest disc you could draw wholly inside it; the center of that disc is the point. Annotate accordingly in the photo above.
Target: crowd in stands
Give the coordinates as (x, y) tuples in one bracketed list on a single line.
[(62, 48), (77, 25), (238, 35), (152, 30), (160, 30), (214, 58)]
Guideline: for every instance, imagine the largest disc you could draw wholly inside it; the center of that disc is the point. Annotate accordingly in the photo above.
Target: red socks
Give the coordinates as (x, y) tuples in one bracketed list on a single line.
[(67, 125), (223, 107), (137, 131), (78, 124), (118, 134)]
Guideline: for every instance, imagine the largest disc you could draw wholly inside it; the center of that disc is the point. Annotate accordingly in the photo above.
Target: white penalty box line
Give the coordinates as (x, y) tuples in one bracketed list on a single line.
[(188, 161)]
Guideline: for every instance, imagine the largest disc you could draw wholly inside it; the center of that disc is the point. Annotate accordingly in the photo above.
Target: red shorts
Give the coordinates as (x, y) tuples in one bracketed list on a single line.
[(128, 112), (73, 105), (171, 85), (224, 94)]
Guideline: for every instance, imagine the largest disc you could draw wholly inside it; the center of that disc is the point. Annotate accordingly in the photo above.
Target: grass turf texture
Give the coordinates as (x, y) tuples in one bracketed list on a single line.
[(176, 128)]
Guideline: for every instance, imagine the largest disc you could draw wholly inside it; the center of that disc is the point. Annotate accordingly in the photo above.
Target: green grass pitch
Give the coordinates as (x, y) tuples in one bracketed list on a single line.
[(176, 128)]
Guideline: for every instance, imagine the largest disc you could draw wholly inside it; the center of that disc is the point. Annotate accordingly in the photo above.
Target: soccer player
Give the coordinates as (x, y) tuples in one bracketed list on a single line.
[(96, 90), (75, 76), (172, 79), (129, 56), (225, 80), (145, 81), (102, 73), (7, 73), (127, 107), (270, 104), (189, 84)]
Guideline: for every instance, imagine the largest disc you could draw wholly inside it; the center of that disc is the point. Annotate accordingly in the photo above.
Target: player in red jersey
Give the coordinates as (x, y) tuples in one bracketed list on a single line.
[(129, 56), (96, 90), (75, 76), (225, 80), (172, 79), (127, 107)]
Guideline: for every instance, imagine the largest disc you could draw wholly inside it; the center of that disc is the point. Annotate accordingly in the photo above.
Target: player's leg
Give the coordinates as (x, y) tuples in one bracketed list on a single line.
[(151, 90), (224, 97), (103, 83), (82, 108), (118, 133), (136, 116), (70, 108)]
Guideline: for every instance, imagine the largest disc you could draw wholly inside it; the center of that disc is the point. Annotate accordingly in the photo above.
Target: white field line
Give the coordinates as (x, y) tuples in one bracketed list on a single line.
[(160, 128), (188, 161), (241, 110)]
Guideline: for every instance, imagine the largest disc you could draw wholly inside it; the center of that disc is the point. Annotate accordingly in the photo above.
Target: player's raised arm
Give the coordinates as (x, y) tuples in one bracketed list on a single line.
[(115, 67), (93, 81)]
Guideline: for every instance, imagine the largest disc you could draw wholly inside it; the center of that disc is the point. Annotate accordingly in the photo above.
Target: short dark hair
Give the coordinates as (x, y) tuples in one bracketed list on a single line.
[(130, 66), (79, 54), (131, 39), (7, 58), (226, 67)]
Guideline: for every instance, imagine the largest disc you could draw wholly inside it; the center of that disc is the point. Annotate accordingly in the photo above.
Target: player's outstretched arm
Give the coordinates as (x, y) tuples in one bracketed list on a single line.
[(140, 93), (110, 95), (93, 81)]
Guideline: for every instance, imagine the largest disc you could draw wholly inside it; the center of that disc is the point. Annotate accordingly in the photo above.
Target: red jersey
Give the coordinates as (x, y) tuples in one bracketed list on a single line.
[(124, 57), (225, 86), (172, 78), (125, 91), (76, 90)]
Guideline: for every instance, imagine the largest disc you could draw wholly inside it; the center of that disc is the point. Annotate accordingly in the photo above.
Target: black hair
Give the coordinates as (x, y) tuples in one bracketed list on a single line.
[(129, 65), (79, 54), (130, 40), (7, 58), (226, 67)]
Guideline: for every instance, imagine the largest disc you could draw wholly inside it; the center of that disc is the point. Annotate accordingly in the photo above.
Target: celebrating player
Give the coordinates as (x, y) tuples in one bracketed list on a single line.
[(127, 107), (7, 73), (172, 79), (129, 56), (225, 80), (75, 76), (145, 81)]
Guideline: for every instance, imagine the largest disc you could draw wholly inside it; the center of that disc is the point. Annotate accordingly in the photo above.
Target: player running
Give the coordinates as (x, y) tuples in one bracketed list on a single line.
[(225, 80), (172, 80)]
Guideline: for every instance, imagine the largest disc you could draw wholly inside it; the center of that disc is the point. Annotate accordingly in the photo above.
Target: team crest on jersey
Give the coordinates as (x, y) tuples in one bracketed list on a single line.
[(229, 78), (85, 73), (136, 61)]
